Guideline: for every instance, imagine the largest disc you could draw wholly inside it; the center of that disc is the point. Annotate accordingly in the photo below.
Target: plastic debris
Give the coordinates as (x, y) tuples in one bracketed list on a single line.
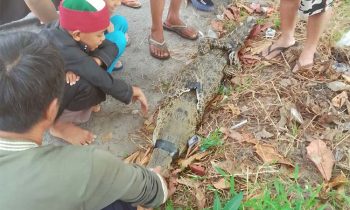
[(240, 124), (201, 34), (220, 17), (265, 9), (344, 41), (270, 33), (338, 86), (296, 115), (193, 140), (212, 34), (341, 68), (197, 169)]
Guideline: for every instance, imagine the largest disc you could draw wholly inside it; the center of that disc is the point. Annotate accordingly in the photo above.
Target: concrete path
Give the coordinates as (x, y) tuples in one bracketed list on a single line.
[(116, 122)]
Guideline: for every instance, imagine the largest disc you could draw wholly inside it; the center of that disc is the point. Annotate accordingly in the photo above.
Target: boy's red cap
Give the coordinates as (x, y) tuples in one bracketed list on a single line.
[(84, 15)]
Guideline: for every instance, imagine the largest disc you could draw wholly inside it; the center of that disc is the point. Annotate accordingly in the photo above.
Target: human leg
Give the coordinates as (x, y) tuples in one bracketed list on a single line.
[(157, 7), (288, 16), (132, 3), (174, 23), (118, 37), (120, 23), (315, 26), (76, 106)]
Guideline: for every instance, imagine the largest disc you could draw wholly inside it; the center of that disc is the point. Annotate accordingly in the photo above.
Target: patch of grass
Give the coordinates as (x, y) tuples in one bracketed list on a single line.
[(261, 21), (214, 139), (229, 25), (340, 22), (169, 205), (277, 23), (245, 84), (290, 194), (295, 130), (224, 90), (233, 202), (339, 200)]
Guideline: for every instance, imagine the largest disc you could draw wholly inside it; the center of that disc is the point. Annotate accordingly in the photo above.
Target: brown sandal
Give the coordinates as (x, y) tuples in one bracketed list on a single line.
[(278, 49), (300, 67), (180, 30), (161, 46)]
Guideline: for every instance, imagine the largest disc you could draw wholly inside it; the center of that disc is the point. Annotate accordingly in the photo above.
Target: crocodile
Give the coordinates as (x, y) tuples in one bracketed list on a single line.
[(181, 112)]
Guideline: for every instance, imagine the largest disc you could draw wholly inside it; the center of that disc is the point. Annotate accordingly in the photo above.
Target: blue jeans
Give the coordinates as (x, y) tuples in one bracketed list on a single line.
[(118, 37), (119, 205)]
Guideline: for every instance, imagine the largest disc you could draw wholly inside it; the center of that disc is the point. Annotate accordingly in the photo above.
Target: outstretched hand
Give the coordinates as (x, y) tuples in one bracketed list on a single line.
[(138, 95)]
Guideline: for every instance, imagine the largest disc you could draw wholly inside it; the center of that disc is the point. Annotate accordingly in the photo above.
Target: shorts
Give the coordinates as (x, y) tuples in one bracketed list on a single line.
[(313, 7)]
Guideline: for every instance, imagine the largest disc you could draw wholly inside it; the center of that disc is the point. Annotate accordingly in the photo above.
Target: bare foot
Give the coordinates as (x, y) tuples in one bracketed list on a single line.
[(72, 133), (96, 108), (179, 27), (279, 46), (157, 45)]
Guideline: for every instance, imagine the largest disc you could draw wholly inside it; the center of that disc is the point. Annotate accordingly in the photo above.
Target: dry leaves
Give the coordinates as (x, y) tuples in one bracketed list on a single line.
[(197, 191), (139, 157), (232, 13), (255, 7), (221, 184), (263, 134), (322, 157), (249, 59), (269, 155), (337, 183), (339, 100), (255, 31), (217, 26), (184, 163)]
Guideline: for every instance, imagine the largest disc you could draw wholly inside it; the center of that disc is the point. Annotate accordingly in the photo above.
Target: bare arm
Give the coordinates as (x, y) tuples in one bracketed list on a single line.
[(44, 9)]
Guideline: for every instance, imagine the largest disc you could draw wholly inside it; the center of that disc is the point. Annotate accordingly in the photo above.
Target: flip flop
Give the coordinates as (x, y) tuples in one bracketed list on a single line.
[(279, 49), (119, 68), (302, 67), (162, 46), (179, 29), (132, 3)]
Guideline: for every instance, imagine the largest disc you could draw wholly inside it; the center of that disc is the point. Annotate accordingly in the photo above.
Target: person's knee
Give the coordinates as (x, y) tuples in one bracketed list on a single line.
[(118, 38), (120, 23), (85, 96)]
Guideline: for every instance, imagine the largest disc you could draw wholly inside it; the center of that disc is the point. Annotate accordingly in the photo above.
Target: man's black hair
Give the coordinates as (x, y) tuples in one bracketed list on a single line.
[(31, 77)]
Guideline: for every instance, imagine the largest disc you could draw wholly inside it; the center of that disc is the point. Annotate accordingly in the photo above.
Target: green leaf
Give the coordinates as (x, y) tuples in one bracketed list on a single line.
[(217, 202), (296, 172), (232, 186), (169, 205), (235, 202), (220, 171), (214, 139)]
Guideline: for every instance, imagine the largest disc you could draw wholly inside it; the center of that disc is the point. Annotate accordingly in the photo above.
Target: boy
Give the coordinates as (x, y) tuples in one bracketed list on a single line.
[(79, 36), (35, 177)]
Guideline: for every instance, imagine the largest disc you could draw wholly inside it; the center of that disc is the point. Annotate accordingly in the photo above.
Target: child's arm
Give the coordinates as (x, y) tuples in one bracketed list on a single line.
[(44, 10), (106, 53), (138, 95)]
